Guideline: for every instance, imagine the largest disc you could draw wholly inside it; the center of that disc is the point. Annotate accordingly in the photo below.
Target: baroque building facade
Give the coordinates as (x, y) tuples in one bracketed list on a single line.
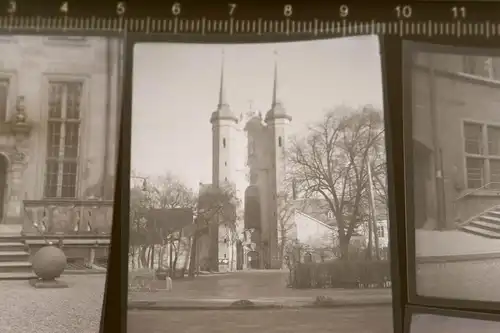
[(59, 123)]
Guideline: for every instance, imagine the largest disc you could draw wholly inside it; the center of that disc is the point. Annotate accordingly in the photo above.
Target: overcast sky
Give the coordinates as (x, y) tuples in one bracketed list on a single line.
[(175, 90)]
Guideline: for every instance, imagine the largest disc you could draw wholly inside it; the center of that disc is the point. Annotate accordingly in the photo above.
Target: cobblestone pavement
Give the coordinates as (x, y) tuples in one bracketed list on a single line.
[(367, 320), (251, 285), (76, 309), (472, 280)]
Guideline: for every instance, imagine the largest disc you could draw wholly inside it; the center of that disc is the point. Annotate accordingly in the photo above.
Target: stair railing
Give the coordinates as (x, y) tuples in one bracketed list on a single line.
[(468, 193)]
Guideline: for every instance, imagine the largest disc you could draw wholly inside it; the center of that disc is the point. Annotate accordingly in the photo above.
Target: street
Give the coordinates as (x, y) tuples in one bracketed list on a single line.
[(256, 284), (365, 320)]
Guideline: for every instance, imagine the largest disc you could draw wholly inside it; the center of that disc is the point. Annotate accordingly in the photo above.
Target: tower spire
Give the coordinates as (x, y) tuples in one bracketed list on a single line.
[(222, 91), (275, 81), (277, 109)]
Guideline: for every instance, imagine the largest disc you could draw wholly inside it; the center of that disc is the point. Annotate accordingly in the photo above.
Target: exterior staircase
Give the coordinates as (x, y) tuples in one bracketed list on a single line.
[(14, 260), (486, 224)]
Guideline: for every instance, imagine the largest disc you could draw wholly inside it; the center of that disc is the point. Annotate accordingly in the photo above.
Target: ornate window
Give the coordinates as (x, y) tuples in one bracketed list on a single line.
[(63, 139), (4, 98)]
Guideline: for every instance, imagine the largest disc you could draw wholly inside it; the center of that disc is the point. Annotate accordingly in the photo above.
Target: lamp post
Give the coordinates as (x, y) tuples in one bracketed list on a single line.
[(438, 157)]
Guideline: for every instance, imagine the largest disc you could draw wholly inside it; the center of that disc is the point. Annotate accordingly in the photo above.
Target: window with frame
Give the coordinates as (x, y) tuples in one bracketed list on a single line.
[(63, 139), (4, 98), (482, 155), (480, 66)]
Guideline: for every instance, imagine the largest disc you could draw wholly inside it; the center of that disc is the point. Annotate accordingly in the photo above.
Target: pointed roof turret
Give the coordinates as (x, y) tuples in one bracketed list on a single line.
[(222, 91), (277, 110), (223, 111), (275, 82)]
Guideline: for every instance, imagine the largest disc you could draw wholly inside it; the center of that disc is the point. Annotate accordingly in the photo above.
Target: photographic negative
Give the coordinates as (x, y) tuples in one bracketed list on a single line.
[(455, 171), (59, 122), (432, 323), (262, 162)]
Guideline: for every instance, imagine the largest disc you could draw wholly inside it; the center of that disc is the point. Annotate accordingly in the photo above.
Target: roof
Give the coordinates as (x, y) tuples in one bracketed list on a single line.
[(277, 112), (315, 220), (315, 208), (170, 219), (223, 112)]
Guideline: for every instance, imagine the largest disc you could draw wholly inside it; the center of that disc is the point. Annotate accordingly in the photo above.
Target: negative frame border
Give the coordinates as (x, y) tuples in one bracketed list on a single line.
[(410, 47), (125, 150), (413, 310)]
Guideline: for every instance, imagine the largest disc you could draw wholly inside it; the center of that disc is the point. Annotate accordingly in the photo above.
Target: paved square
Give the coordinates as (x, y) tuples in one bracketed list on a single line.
[(76, 309)]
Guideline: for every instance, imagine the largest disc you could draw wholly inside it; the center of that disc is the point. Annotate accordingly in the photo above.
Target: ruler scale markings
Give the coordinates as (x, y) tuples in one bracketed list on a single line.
[(231, 26)]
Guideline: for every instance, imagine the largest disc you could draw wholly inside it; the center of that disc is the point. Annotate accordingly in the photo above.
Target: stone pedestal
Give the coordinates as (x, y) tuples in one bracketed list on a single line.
[(48, 284)]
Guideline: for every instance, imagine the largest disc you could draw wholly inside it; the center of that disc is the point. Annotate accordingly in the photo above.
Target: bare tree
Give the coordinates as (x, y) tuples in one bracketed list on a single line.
[(150, 196), (331, 162), (217, 206)]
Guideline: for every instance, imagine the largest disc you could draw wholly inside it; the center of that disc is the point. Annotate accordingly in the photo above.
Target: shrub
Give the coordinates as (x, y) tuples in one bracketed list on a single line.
[(341, 274)]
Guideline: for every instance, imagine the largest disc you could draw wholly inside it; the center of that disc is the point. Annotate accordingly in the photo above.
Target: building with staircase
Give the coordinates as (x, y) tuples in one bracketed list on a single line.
[(59, 124), (456, 142)]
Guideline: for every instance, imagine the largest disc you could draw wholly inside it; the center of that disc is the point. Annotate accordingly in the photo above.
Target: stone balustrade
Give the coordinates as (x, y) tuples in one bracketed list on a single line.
[(67, 217)]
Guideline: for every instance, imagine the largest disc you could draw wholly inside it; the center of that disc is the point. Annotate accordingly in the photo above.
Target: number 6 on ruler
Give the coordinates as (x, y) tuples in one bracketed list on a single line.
[(12, 8), (176, 9), (64, 7)]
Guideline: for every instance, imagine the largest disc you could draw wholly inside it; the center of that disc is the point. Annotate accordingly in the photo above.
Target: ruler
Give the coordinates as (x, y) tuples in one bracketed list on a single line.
[(258, 26), (416, 19)]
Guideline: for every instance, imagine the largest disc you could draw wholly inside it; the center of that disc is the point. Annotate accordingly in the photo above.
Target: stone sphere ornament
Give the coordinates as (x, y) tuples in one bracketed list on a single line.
[(49, 263)]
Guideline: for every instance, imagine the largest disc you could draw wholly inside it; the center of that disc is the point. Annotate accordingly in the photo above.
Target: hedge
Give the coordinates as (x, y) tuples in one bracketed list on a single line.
[(341, 274)]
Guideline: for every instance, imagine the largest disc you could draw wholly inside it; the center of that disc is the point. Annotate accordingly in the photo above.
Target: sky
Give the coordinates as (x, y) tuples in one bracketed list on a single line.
[(176, 88)]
